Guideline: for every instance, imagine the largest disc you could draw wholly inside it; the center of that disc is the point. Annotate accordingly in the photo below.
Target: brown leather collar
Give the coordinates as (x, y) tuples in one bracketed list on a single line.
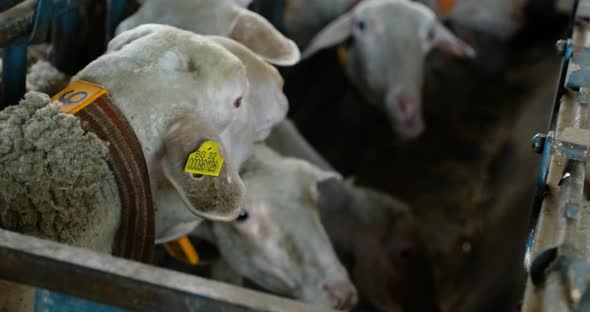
[(92, 104)]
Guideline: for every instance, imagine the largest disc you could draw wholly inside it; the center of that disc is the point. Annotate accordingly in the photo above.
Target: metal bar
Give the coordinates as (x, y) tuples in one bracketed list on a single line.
[(122, 283), (562, 234), (64, 41), (6, 4), (17, 22), (115, 16), (14, 73), (541, 187)]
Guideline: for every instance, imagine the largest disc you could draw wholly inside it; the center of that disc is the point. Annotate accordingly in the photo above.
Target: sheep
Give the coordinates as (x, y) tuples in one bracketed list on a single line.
[(501, 18), (303, 19), (264, 105), (225, 18), (378, 237), (386, 42), (176, 90), (373, 233), (196, 98), (279, 242)]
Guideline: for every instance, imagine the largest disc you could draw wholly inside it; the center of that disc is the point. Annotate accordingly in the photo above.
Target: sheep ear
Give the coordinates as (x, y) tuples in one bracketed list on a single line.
[(126, 37), (243, 3), (255, 32), (444, 40), (217, 198), (336, 32), (321, 175)]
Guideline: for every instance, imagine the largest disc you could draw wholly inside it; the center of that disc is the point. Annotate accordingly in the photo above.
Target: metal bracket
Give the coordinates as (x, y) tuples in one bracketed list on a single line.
[(578, 75), (574, 144)]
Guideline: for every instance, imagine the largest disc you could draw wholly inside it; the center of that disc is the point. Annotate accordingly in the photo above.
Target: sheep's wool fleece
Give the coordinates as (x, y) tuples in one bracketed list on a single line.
[(55, 181), (44, 77)]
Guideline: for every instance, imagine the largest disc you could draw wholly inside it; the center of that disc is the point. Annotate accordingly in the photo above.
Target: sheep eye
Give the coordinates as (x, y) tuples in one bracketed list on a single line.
[(243, 215), (238, 102), (361, 25)]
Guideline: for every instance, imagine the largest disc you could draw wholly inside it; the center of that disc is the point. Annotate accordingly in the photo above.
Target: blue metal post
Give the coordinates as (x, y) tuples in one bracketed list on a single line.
[(50, 301), (14, 73), (278, 14), (64, 40), (115, 16)]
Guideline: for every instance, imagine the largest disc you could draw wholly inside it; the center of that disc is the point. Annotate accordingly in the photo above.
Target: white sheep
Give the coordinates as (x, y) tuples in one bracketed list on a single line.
[(303, 19), (386, 42), (374, 229), (501, 18), (279, 243), (263, 106), (225, 18), (176, 89)]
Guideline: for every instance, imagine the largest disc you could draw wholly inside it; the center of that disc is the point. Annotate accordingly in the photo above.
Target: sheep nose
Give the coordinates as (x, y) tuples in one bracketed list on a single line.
[(408, 106), (342, 294)]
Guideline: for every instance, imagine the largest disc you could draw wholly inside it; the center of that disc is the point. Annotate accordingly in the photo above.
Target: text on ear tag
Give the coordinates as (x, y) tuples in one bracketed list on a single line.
[(445, 6), (206, 160), (78, 95), (182, 249)]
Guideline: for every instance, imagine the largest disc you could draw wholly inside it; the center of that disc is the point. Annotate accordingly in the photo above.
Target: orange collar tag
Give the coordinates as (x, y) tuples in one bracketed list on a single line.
[(342, 54), (182, 249), (445, 6), (78, 95)]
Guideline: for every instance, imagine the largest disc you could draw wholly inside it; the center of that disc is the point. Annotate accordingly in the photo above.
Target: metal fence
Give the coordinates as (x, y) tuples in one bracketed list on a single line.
[(559, 246), (120, 283)]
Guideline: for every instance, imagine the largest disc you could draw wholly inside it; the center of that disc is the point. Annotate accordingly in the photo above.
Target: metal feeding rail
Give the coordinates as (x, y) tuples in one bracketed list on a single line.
[(558, 250), (120, 283)]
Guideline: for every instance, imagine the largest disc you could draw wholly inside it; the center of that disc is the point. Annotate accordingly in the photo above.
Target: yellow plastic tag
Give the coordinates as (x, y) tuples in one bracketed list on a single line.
[(78, 95), (445, 6), (182, 249), (206, 160), (342, 54)]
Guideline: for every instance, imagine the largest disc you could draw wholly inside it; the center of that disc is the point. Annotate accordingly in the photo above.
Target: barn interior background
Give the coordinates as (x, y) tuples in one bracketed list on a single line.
[(462, 185)]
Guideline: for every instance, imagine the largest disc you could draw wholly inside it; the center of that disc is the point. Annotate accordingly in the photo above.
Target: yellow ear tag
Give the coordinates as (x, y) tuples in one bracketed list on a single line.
[(182, 250), (206, 160), (342, 54), (445, 6)]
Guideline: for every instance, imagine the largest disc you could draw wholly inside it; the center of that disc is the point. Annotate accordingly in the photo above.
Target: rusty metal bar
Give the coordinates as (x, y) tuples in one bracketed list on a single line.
[(122, 283), (17, 21), (558, 262)]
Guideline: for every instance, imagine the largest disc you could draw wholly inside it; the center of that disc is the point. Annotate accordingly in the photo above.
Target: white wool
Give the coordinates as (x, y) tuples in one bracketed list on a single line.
[(55, 182), (44, 77)]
